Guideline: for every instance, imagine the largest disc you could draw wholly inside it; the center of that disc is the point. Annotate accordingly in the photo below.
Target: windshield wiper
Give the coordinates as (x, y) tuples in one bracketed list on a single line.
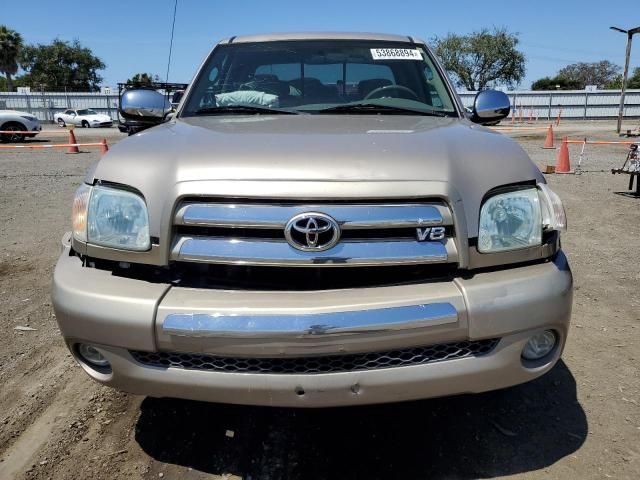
[(243, 109), (377, 108)]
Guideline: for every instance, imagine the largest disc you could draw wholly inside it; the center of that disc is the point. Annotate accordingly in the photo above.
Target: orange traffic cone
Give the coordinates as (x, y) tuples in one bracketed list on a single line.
[(72, 141), (562, 164), (104, 148), (548, 143)]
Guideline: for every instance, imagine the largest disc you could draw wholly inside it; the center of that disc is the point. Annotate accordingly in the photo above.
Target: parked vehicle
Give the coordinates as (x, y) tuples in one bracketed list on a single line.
[(15, 121), (85, 118), (319, 224)]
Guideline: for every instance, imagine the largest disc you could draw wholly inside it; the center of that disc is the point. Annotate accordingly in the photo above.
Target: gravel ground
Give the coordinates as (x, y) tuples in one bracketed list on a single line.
[(582, 420)]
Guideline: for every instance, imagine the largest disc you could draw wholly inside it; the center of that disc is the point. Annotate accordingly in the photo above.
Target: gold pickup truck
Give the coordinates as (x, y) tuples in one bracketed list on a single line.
[(320, 223)]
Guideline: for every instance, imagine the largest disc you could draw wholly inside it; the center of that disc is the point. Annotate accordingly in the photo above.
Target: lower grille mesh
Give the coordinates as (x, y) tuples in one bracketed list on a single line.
[(326, 364)]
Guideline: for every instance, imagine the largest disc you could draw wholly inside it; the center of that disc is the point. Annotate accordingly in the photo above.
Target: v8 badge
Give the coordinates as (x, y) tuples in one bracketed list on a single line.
[(430, 233)]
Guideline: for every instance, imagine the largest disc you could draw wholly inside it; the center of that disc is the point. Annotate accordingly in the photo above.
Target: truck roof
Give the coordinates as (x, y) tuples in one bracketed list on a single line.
[(274, 37)]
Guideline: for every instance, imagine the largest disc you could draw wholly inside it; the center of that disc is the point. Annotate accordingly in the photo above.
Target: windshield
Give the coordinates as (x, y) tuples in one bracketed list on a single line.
[(87, 112), (316, 76)]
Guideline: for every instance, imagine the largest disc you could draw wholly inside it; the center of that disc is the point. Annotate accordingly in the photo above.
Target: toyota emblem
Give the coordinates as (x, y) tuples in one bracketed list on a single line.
[(312, 232)]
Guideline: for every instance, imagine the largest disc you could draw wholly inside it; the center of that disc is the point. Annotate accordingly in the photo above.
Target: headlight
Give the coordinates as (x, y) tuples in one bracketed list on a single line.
[(553, 214), (111, 217), (29, 117), (510, 221), (79, 212), (516, 219)]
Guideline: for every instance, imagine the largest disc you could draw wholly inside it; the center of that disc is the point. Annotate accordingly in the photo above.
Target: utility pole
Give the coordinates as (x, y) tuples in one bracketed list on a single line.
[(630, 33)]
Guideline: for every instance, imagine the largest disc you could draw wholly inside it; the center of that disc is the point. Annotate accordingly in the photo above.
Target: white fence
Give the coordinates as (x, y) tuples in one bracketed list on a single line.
[(45, 105), (575, 104)]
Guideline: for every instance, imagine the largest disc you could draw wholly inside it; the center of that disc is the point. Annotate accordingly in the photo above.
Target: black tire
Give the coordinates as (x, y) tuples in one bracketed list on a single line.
[(85, 124), (61, 123), (8, 137)]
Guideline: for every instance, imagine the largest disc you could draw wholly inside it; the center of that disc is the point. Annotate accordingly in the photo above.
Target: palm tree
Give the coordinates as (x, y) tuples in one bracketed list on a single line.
[(10, 45)]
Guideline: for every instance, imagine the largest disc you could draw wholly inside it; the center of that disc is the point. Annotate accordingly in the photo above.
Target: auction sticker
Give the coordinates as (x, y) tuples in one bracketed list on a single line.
[(396, 54)]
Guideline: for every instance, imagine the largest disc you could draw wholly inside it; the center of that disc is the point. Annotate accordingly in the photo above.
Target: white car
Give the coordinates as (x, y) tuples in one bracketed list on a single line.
[(13, 120), (83, 118)]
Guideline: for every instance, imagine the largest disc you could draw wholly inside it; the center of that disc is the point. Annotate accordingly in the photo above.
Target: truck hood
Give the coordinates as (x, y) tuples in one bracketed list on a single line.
[(292, 150)]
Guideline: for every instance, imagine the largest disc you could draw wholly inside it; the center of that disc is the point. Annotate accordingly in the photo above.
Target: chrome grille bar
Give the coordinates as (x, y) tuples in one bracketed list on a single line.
[(352, 216), (279, 253), (298, 325)]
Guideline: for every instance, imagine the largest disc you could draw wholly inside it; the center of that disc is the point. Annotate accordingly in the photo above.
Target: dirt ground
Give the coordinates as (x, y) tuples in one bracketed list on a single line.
[(582, 420)]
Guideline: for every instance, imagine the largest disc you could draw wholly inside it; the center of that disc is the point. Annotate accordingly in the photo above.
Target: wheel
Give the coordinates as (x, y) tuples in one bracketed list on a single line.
[(15, 127), (381, 92), (85, 124), (61, 123)]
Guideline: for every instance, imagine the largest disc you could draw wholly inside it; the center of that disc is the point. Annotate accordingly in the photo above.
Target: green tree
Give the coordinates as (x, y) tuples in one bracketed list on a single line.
[(482, 59), (10, 47), (597, 73), (143, 78), (18, 81), (62, 64), (555, 83), (632, 82)]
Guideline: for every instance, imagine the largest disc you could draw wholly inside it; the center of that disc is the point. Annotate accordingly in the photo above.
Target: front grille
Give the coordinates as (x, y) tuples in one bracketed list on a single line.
[(312, 365), (278, 234), (325, 235), (239, 277)]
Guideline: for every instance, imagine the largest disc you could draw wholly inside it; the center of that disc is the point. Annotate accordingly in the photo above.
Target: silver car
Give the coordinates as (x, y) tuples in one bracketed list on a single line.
[(12, 122), (319, 224)]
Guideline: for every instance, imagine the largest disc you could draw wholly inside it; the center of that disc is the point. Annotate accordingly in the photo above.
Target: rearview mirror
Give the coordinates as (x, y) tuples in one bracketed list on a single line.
[(144, 104), (490, 106)]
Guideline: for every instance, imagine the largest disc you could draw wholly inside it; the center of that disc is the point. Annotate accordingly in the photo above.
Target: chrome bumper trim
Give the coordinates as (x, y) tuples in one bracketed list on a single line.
[(302, 325), (350, 217), (279, 253)]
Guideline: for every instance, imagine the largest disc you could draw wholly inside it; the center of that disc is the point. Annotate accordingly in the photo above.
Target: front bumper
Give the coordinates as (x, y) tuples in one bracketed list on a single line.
[(120, 315), (101, 124)]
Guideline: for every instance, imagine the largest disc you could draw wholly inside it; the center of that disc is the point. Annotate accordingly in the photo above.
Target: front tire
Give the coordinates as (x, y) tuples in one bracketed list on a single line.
[(12, 126), (61, 123), (85, 124)]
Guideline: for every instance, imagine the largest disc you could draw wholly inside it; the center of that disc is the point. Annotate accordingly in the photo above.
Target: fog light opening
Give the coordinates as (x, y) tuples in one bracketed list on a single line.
[(539, 345), (92, 356)]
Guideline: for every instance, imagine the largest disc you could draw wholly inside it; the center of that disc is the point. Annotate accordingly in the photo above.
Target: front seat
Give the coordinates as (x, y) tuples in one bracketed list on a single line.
[(270, 84), (314, 90)]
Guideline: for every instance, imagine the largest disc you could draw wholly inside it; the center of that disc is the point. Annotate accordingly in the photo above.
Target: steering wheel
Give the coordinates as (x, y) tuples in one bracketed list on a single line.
[(400, 88)]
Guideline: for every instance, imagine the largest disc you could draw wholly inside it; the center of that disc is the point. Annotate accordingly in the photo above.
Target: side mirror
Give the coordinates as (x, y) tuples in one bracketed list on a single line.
[(144, 105), (176, 97), (490, 106)]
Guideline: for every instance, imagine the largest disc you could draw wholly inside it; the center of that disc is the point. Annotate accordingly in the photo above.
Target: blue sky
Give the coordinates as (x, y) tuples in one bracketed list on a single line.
[(133, 36)]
